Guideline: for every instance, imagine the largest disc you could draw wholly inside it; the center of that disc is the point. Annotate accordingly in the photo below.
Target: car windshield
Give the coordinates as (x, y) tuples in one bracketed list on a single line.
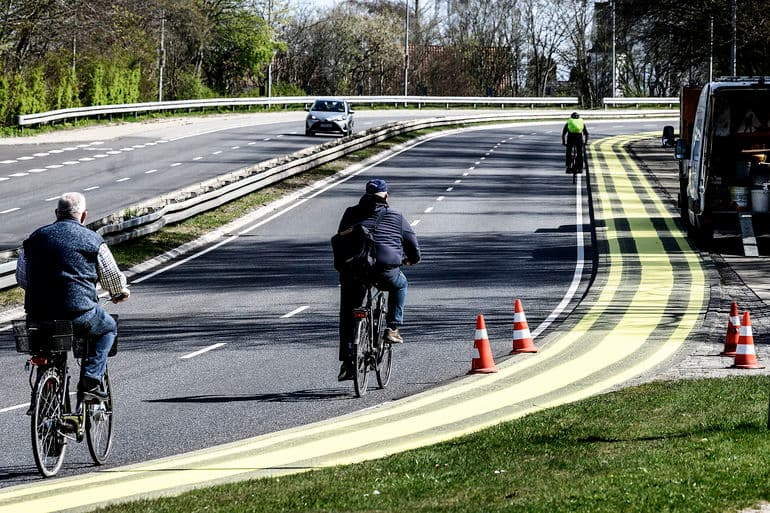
[(329, 106)]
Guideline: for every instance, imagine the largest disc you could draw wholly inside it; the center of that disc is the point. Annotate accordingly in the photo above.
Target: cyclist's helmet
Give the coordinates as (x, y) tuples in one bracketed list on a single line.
[(575, 115)]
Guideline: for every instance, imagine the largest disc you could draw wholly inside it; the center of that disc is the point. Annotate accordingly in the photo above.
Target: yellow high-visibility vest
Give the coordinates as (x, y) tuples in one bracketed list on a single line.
[(575, 125)]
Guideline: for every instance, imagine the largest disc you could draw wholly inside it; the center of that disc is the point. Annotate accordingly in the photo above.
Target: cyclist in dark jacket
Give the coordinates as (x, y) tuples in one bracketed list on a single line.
[(395, 245)]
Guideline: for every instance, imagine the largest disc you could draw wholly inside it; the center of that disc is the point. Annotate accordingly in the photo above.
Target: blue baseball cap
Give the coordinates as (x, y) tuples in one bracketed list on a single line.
[(376, 185)]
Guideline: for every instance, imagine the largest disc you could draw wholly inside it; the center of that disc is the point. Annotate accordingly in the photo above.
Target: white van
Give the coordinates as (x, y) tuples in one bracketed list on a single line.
[(724, 156)]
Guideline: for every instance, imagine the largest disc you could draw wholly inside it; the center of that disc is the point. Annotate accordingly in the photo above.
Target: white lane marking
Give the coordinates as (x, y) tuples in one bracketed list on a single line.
[(69, 148), (100, 155), (579, 264), (70, 162), (54, 166), (123, 179), (113, 152), (92, 188), (295, 312), (483, 158), (9, 210), (151, 143), (428, 210), (234, 147), (126, 149), (440, 198), (414, 223), (477, 163), (26, 158), (201, 351), (175, 164), (458, 181), (266, 139), (17, 407), (197, 158), (279, 136), (8, 162), (56, 151), (252, 143), (17, 175), (217, 152), (139, 146), (466, 174), (3, 179), (449, 189), (86, 159), (38, 170), (151, 171), (52, 198)]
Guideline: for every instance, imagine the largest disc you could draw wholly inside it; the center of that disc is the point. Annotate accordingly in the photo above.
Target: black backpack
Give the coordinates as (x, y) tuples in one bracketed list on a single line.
[(354, 250)]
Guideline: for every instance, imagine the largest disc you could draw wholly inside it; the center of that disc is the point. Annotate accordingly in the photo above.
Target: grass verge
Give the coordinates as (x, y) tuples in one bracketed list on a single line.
[(689, 446)]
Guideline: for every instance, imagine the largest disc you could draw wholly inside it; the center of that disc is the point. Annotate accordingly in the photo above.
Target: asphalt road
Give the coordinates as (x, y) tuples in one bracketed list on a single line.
[(496, 219), (119, 171)]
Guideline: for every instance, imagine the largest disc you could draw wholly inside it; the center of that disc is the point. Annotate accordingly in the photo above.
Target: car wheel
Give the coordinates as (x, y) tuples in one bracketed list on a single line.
[(309, 133)]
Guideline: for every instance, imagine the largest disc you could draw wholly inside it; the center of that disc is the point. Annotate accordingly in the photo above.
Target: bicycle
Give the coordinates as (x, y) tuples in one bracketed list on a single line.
[(372, 351), (53, 421), (574, 168)]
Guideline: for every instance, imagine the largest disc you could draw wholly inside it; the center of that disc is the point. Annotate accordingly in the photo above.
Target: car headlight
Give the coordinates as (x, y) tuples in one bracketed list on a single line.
[(312, 117)]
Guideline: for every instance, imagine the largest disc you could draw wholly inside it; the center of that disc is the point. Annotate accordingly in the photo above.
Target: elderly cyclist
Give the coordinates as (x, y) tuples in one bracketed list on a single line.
[(59, 267)]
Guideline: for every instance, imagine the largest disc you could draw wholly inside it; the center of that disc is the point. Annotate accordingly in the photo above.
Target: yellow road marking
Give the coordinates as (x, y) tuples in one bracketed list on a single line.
[(619, 320)]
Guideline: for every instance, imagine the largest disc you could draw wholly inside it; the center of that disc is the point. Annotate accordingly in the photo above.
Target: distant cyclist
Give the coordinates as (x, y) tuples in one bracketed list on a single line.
[(59, 268), (395, 245), (574, 133)]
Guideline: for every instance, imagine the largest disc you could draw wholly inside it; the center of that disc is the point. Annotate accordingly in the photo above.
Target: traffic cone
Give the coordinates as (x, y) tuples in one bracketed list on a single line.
[(522, 339), (484, 364), (733, 327), (745, 356)]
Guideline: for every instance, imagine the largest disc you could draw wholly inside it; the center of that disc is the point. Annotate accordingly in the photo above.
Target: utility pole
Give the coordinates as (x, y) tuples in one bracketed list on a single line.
[(270, 64), (406, 49), (614, 73), (711, 49), (735, 37), (161, 54)]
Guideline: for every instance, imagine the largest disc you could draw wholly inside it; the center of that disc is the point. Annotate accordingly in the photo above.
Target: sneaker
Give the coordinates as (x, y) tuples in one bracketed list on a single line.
[(347, 372), (392, 336)]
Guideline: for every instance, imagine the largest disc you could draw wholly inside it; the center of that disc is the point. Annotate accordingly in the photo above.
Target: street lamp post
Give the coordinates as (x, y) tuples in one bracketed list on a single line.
[(734, 51), (614, 72), (406, 49)]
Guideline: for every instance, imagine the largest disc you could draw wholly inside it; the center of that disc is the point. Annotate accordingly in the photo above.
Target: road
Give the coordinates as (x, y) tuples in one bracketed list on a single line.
[(496, 222), (117, 171)]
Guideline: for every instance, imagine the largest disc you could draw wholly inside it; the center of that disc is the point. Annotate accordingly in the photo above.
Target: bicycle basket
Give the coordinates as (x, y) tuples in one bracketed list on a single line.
[(42, 336), (85, 346)]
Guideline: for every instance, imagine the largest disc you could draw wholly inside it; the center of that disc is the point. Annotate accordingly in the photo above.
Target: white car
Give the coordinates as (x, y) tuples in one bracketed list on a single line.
[(329, 115)]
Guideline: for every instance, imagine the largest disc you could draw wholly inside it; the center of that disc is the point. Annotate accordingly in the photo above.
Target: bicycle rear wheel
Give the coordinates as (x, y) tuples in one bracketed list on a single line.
[(48, 443), (361, 378), (99, 420)]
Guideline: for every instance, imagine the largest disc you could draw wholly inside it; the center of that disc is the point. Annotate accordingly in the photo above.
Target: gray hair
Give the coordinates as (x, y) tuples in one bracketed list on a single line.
[(71, 206)]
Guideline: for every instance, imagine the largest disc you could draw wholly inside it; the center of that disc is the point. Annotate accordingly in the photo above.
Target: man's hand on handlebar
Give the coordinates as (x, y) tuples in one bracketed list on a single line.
[(123, 296)]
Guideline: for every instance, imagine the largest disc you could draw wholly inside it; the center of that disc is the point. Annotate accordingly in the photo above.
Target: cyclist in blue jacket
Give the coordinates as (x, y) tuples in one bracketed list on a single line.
[(395, 245)]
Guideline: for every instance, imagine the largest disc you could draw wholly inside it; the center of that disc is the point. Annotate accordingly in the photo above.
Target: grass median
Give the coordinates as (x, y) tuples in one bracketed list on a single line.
[(688, 446)]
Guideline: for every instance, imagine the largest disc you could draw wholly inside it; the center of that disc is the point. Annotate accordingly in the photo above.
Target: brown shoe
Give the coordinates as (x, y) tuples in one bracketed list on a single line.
[(392, 336)]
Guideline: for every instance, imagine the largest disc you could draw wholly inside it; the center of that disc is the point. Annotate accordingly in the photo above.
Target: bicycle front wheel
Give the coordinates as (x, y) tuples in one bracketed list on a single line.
[(384, 364), (48, 443), (362, 347), (99, 420)]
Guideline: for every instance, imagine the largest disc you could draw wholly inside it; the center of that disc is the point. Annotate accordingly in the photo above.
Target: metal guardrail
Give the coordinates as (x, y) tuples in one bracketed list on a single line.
[(670, 101), (192, 105), (150, 216)]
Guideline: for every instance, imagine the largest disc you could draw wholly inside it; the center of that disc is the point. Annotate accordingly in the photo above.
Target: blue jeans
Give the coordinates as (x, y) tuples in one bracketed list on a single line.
[(96, 325), (353, 295)]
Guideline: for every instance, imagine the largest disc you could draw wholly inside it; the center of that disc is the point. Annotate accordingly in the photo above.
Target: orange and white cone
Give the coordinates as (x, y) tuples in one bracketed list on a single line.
[(484, 364), (522, 339), (745, 356), (733, 327)]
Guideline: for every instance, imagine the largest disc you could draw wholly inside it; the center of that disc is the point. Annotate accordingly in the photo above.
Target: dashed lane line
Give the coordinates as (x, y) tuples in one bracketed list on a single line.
[(202, 351)]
